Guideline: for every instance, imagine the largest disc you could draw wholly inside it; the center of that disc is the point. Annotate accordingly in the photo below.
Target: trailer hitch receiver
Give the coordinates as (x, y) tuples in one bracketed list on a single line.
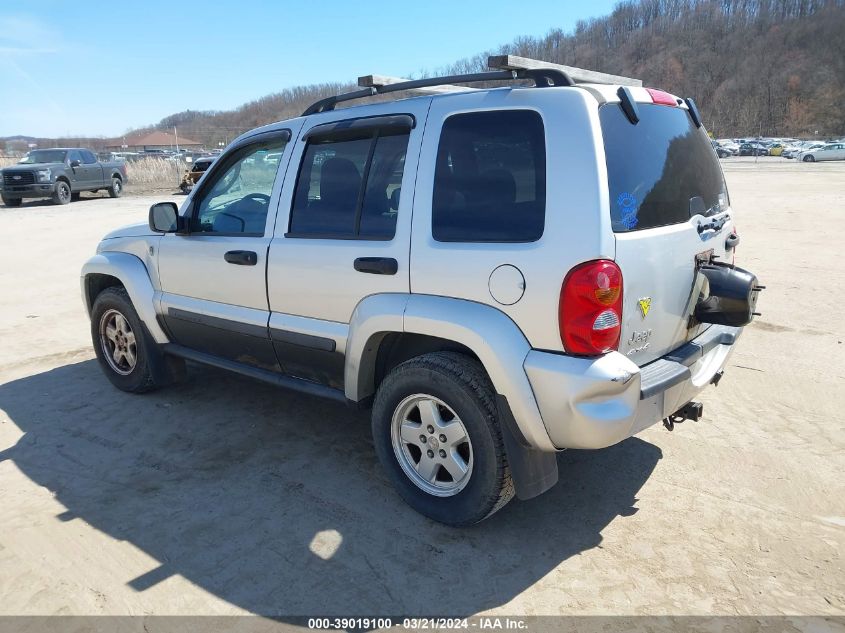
[(690, 411)]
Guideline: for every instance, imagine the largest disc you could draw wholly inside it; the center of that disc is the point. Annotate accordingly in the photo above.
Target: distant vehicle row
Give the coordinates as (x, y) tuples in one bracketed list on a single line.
[(805, 151)]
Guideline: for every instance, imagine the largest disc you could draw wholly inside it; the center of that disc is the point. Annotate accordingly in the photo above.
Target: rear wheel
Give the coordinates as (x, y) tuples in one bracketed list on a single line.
[(116, 188), (436, 433), (62, 193), (11, 202)]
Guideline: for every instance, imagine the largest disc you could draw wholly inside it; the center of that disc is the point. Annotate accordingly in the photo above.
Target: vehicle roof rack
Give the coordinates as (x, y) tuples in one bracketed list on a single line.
[(579, 75), (506, 68)]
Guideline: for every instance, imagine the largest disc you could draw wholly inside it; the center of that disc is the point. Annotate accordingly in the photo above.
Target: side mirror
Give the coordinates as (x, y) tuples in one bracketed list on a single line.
[(164, 217), (74, 163)]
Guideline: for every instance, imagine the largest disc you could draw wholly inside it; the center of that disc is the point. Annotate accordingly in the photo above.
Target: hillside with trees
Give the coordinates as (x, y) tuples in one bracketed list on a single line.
[(767, 67)]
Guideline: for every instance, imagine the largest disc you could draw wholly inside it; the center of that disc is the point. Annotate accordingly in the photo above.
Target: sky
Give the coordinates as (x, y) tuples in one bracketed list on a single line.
[(98, 68)]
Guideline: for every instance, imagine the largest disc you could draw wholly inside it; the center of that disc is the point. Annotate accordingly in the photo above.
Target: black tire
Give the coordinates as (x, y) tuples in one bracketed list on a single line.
[(462, 384), (140, 377), (75, 196), (62, 193), (116, 187), (809, 159), (11, 202)]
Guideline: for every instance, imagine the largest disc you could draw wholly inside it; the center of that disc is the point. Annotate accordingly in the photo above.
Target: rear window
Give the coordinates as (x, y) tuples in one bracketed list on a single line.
[(661, 171), (490, 180)]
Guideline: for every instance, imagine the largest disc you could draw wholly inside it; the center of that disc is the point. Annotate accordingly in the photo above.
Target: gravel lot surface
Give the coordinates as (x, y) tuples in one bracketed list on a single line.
[(226, 496)]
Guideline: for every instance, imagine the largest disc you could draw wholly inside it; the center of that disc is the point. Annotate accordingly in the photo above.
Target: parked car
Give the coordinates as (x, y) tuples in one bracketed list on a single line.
[(198, 167), (752, 149), (830, 151), (721, 152), (61, 173), (439, 259), (776, 149)]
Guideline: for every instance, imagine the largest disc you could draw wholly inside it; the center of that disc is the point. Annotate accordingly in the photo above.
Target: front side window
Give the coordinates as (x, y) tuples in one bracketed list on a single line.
[(74, 155), (88, 157), (237, 197), (349, 186), (490, 178)]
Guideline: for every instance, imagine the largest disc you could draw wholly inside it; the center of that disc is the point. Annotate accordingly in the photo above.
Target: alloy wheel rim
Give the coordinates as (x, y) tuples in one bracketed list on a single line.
[(431, 445), (117, 341)]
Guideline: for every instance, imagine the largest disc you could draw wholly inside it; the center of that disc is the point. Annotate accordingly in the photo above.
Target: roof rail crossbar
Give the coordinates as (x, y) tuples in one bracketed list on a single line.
[(378, 84), (579, 75)]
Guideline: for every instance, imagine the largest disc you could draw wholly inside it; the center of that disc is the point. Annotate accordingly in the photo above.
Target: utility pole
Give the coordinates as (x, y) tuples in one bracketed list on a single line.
[(177, 139)]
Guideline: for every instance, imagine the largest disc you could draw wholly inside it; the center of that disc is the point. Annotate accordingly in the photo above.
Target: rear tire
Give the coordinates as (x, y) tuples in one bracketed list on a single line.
[(125, 353), (116, 188), (11, 202), (452, 392), (62, 193)]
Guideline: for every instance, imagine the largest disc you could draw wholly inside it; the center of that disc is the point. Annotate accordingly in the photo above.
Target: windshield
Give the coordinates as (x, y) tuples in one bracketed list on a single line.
[(661, 171), (44, 156)]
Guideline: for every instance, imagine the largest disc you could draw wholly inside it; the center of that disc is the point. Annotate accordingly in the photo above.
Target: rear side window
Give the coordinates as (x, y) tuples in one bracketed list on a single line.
[(349, 186), (661, 171), (490, 178)]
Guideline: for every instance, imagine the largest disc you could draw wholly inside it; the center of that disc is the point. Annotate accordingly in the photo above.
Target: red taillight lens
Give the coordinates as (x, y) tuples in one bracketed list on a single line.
[(663, 98), (590, 309)]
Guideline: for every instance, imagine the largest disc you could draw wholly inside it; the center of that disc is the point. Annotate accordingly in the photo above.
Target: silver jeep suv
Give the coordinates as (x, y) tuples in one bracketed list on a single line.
[(499, 273)]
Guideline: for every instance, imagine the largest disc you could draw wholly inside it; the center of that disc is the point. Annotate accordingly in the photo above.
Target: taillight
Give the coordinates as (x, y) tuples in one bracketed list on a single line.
[(662, 98), (590, 309)]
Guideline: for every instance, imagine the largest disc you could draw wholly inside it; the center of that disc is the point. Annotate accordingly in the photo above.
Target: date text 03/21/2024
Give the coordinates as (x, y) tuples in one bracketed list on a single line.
[(419, 624)]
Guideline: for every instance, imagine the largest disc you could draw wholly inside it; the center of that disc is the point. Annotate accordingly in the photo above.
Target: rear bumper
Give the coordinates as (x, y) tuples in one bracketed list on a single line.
[(597, 402), (37, 190)]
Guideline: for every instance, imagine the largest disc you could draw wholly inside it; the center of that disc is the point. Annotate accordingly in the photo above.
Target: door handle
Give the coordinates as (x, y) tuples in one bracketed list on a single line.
[(377, 265), (241, 258)]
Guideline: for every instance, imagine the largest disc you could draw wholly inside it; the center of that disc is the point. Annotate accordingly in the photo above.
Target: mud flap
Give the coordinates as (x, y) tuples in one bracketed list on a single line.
[(166, 369), (533, 471)]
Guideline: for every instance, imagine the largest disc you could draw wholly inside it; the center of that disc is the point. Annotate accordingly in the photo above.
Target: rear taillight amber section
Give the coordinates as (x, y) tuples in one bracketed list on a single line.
[(590, 309)]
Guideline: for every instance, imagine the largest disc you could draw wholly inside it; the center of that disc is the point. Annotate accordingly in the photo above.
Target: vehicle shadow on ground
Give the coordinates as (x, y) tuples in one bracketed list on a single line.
[(274, 501)]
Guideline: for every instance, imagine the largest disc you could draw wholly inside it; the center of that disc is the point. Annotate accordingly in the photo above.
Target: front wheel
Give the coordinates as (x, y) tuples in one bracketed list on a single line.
[(116, 188), (62, 193), (809, 159), (11, 202), (436, 433), (120, 342)]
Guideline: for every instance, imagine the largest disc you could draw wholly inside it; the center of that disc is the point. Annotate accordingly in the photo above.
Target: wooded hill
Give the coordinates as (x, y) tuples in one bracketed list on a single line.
[(770, 67)]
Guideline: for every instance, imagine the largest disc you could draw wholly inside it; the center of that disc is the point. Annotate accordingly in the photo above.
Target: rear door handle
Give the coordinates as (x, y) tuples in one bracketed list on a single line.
[(377, 265), (241, 258)]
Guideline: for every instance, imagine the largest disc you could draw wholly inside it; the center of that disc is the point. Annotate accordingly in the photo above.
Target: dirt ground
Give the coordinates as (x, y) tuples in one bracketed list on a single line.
[(226, 496)]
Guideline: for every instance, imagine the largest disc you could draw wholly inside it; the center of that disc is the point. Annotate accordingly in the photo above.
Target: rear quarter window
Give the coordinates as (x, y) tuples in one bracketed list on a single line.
[(661, 171), (490, 178)]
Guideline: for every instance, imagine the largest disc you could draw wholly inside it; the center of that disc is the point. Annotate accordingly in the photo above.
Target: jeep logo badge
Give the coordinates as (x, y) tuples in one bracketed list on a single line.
[(645, 306)]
